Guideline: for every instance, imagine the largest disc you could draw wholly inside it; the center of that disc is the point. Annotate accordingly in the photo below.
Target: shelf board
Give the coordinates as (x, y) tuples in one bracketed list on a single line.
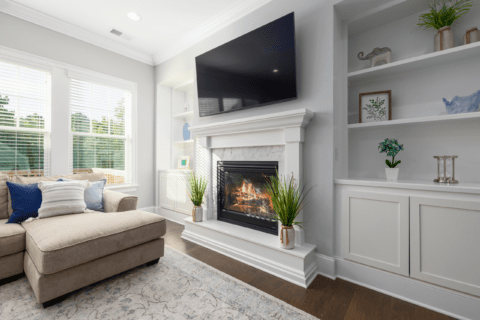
[(186, 86), (183, 115), (430, 60), (450, 117), (462, 187), (183, 142)]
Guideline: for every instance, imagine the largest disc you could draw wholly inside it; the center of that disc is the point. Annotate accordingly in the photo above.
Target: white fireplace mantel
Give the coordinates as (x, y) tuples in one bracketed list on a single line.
[(285, 129)]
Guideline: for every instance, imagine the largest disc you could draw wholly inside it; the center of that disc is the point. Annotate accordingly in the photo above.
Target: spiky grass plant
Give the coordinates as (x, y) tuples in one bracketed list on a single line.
[(288, 198), (444, 13), (198, 185)]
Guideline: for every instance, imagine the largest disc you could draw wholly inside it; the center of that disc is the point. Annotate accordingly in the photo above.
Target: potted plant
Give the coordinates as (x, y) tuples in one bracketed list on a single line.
[(287, 201), (196, 193), (441, 16), (391, 147)]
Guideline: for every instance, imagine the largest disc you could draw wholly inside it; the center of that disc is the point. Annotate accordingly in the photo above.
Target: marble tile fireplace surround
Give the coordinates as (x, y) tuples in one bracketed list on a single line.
[(274, 138)]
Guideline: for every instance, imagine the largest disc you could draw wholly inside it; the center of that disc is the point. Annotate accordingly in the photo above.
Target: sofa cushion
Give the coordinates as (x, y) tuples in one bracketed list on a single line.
[(62, 242), (61, 197), (93, 195), (12, 238), (29, 180), (4, 196)]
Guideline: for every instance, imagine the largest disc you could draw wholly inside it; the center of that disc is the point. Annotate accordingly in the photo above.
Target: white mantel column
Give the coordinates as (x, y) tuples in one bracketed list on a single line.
[(294, 138)]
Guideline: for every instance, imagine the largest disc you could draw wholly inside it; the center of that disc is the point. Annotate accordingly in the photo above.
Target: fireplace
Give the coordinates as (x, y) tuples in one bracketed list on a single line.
[(242, 196)]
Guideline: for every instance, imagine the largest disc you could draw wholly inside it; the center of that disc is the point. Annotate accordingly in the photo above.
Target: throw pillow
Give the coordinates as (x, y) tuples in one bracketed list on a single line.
[(62, 197), (26, 200), (93, 194)]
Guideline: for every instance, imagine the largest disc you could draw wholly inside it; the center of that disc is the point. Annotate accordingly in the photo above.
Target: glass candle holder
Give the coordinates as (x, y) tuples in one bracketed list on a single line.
[(446, 169)]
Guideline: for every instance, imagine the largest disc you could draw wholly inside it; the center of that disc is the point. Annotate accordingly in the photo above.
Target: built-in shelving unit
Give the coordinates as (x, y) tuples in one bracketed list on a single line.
[(442, 118), (418, 79), (426, 61), (183, 115), (183, 142)]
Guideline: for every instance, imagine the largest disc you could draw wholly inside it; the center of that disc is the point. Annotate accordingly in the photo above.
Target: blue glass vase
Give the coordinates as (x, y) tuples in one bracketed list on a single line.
[(186, 132)]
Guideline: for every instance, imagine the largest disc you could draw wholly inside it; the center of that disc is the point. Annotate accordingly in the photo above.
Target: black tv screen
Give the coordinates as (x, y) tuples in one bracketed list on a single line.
[(254, 70)]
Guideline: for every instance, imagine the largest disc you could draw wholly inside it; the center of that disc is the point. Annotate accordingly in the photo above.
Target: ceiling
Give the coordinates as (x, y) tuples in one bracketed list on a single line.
[(166, 28)]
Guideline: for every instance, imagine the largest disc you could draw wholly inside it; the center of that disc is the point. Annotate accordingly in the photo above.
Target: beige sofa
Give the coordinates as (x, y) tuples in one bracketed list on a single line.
[(65, 253)]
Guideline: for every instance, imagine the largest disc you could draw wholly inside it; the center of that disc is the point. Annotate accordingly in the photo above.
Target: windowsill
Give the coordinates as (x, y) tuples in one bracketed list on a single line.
[(123, 188)]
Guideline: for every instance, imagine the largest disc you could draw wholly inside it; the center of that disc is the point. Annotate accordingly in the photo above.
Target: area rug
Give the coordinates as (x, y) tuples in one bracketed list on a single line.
[(179, 287)]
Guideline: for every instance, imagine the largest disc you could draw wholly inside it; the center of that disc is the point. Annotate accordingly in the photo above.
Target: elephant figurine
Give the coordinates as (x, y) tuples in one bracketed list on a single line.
[(463, 104), (377, 57)]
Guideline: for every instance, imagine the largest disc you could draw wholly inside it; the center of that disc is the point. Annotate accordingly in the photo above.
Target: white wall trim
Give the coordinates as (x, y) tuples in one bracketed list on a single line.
[(325, 266), (219, 22), (174, 216), (41, 19)]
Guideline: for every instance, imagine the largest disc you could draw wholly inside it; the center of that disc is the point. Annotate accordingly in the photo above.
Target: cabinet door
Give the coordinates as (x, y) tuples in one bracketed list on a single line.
[(167, 192), (182, 203), (375, 230), (444, 243)]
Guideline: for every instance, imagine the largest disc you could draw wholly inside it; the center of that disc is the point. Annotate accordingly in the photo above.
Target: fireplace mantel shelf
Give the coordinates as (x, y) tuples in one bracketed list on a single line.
[(280, 120)]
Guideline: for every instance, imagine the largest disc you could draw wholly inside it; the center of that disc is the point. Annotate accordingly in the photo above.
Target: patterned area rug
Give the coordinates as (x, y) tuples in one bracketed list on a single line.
[(179, 287)]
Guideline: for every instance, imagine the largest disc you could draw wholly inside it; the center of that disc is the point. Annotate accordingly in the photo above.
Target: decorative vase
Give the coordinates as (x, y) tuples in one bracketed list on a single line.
[(463, 104), (186, 132), (287, 237), (197, 214), (444, 39), (392, 173), (472, 36)]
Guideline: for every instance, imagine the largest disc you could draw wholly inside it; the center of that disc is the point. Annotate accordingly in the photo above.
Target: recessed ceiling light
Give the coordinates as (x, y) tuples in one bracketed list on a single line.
[(133, 16), (275, 70)]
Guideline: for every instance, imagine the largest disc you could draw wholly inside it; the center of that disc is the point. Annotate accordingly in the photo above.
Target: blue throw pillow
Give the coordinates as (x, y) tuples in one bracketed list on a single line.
[(93, 194), (26, 200)]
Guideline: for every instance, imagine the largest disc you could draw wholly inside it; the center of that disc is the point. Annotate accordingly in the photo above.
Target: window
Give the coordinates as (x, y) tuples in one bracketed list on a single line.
[(101, 131), (25, 106)]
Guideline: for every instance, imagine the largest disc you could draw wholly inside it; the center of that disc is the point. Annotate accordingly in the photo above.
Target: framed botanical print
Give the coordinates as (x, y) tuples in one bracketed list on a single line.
[(375, 106), (183, 162)]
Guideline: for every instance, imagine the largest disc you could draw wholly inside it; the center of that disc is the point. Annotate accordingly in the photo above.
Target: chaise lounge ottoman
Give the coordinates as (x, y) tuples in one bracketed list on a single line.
[(65, 253)]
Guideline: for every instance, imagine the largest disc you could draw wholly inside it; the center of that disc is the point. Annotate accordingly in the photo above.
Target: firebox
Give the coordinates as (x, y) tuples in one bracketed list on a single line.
[(242, 196)]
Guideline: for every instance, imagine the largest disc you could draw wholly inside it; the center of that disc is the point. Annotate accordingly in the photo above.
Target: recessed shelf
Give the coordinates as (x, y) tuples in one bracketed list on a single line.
[(461, 53), (451, 117), (183, 115), (462, 187), (186, 86), (183, 142)]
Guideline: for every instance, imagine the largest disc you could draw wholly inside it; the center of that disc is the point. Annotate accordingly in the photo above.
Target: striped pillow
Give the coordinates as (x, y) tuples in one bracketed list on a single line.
[(63, 197)]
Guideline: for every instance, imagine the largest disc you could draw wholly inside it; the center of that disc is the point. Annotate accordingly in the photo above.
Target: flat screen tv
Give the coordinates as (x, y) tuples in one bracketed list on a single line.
[(254, 70)]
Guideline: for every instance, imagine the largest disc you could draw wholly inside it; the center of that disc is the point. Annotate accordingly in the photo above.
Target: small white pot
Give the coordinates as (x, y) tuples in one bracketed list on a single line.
[(444, 39), (287, 238), (197, 214), (392, 174)]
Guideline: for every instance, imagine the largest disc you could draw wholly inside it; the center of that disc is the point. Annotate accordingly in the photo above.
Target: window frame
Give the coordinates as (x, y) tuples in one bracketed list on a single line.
[(59, 143)]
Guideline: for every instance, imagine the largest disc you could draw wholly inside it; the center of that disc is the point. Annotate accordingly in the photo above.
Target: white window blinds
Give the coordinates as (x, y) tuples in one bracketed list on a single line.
[(25, 104), (101, 131)]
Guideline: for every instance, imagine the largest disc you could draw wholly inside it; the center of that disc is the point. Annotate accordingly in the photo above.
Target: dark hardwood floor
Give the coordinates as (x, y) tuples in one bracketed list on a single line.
[(325, 298)]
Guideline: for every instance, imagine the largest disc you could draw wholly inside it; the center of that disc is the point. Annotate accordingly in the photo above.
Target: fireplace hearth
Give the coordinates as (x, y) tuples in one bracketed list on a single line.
[(242, 196)]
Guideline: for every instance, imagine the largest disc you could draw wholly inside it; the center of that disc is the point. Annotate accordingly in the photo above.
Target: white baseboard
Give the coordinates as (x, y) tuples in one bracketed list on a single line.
[(325, 266), (171, 215), (148, 209)]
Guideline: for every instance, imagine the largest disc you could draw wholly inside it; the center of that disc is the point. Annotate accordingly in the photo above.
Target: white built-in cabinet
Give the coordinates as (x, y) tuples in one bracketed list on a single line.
[(431, 238), (173, 191)]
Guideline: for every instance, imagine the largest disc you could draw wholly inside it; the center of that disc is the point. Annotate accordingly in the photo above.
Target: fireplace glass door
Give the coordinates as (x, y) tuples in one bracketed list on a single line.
[(242, 195)]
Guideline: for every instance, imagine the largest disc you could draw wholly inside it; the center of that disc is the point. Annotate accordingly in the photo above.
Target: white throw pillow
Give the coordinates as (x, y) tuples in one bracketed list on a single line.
[(62, 197)]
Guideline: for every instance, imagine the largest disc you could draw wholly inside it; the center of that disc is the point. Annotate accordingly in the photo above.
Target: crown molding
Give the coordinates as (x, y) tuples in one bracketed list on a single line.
[(44, 20), (219, 22)]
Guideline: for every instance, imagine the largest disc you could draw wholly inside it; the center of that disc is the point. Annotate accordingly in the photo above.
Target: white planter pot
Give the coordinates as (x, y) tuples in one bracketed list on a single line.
[(197, 214), (287, 238), (392, 174), (444, 39)]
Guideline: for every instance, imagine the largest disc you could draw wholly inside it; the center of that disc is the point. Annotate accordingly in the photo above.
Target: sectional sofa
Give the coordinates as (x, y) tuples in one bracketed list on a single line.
[(65, 253)]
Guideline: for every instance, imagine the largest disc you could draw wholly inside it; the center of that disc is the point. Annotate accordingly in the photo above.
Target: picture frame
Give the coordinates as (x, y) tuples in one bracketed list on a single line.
[(183, 162), (371, 108)]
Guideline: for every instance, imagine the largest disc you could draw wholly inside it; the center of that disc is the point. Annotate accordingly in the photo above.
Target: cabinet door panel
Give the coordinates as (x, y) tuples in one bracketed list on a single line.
[(375, 230), (167, 192), (183, 203), (444, 243)]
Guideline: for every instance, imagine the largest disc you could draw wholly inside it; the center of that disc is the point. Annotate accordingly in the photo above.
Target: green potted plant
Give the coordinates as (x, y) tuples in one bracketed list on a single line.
[(441, 16), (198, 185), (288, 198), (391, 147)]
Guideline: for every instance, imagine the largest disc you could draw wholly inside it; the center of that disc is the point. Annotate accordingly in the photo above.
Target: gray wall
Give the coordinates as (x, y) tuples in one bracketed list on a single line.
[(315, 59), (31, 38)]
